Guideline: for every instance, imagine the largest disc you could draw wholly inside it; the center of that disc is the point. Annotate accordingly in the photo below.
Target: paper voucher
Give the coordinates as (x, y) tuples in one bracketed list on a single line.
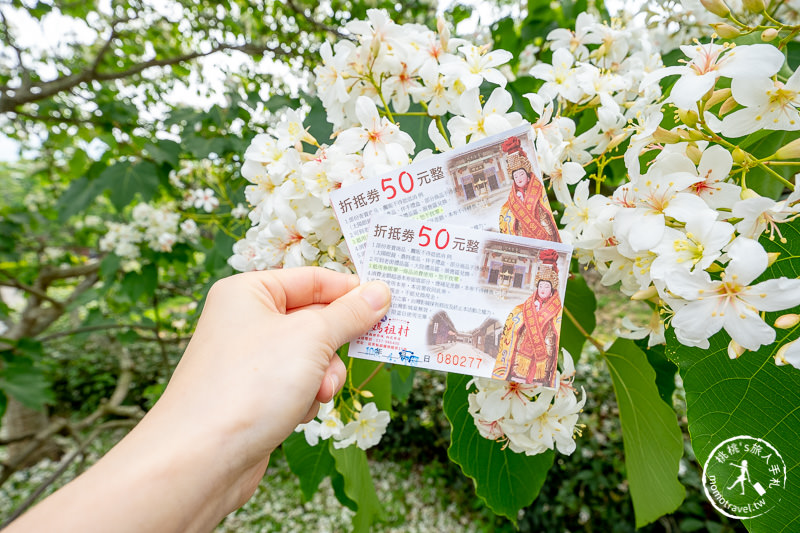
[(467, 301), (493, 184)]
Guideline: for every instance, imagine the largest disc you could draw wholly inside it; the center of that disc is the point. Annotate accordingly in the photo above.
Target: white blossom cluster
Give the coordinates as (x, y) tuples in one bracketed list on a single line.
[(684, 217), (364, 430), (528, 419), (292, 222), (158, 228)]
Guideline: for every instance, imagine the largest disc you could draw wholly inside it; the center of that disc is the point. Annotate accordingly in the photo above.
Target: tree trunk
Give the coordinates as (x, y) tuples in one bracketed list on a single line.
[(20, 422)]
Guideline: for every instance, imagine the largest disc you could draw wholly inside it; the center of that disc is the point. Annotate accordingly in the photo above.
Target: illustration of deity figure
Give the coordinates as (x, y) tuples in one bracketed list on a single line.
[(526, 212), (528, 350)]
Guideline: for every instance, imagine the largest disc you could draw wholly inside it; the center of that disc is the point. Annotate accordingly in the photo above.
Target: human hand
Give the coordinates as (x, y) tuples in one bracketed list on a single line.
[(259, 363), (264, 355)]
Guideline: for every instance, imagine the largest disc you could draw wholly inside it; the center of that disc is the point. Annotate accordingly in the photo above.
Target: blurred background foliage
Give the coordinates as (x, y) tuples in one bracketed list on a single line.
[(123, 102)]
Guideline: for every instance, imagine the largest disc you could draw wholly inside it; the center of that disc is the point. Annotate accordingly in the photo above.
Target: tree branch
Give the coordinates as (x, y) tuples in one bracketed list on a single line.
[(319, 25), (41, 90), (97, 327), (39, 293), (112, 407), (26, 77)]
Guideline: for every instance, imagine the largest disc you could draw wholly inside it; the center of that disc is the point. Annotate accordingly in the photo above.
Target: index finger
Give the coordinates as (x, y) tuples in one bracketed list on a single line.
[(301, 286)]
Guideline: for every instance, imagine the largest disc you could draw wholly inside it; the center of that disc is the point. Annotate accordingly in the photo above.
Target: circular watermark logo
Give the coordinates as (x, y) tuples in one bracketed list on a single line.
[(744, 477)]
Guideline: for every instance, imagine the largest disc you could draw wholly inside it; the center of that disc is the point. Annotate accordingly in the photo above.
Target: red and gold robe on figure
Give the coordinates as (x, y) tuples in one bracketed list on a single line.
[(528, 216), (528, 349), (526, 212)]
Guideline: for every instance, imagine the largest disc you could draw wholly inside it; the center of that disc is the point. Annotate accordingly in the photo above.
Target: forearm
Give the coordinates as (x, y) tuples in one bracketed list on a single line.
[(163, 476)]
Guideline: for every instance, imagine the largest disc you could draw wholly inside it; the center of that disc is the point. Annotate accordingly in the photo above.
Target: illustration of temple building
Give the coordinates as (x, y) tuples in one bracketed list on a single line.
[(442, 332), (481, 174), (510, 267)]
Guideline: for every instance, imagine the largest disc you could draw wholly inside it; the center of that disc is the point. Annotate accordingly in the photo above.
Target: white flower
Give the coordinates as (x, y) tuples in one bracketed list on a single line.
[(769, 105), (477, 65), (189, 227), (714, 167), (760, 215), (240, 211), (326, 425), (707, 62), (383, 143), (731, 303), (576, 41), (698, 245), (365, 430), (653, 330), (657, 194), (479, 122), (559, 76), (204, 199), (290, 130)]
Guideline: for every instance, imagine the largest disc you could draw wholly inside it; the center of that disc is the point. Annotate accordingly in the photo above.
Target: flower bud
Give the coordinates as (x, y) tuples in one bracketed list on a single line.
[(665, 136), (694, 153), (357, 405), (718, 7), (772, 257), (788, 354), (735, 350), (789, 151), (754, 6), (688, 117), (769, 34), (739, 155), (726, 31), (717, 97), (367, 394), (616, 141), (332, 252), (729, 104), (645, 294), (787, 321), (746, 194)]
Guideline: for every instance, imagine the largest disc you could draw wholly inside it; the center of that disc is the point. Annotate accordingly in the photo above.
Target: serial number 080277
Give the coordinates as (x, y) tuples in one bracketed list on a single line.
[(463, 361)]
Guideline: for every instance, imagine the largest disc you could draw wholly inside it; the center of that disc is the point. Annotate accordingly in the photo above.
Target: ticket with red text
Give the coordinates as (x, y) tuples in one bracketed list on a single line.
[(492, 184), (465, 300)]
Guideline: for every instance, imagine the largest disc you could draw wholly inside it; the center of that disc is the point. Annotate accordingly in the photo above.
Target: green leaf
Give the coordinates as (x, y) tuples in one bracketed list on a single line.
[(664, 368), (136, 284), (650, 434), (337, 484), (126, 179), (311, 464), (761, 145), (217, 256), (351, 463), (109, 267), (78, 196), (380, 382), (750, 395), (579, 301), (317, 122), (165, 151), (505, 480), (402, 381), (3, 403), (26, 383)]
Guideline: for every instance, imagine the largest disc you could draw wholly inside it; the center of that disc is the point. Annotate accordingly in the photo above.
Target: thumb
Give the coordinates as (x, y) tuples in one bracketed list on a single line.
[(354, 313)]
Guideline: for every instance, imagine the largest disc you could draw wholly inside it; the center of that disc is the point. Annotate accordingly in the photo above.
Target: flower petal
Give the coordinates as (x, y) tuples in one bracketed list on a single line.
[(748, 260)]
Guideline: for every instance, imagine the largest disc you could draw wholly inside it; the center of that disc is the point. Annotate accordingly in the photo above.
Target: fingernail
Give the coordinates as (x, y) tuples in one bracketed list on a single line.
[(334, 384), (376, 294)]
